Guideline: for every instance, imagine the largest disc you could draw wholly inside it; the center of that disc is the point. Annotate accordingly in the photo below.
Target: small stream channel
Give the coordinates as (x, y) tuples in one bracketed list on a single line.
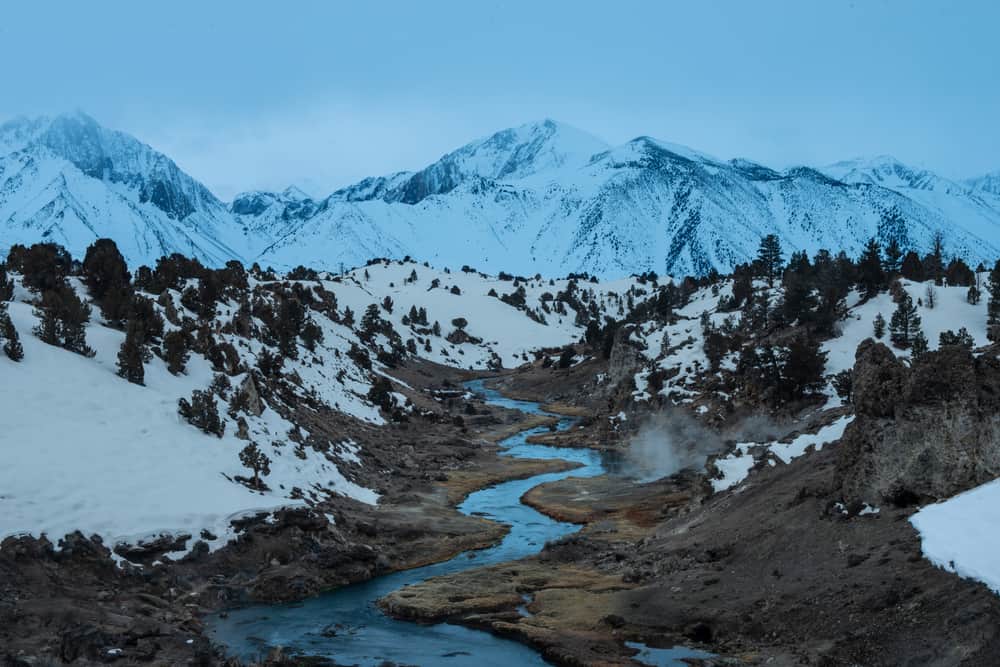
[(345, 624)]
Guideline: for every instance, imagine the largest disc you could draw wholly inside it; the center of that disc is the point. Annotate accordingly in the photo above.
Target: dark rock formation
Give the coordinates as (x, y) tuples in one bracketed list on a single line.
[(922, 432)]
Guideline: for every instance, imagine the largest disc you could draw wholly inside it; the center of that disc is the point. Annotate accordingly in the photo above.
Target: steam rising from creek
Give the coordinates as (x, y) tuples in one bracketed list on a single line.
[(673, 440)]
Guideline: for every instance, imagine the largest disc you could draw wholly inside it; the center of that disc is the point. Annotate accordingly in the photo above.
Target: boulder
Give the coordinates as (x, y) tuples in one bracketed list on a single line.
[(922, 432)]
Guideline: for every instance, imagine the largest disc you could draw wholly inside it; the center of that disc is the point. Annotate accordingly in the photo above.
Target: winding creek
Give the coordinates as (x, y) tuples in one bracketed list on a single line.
[(345, 624)]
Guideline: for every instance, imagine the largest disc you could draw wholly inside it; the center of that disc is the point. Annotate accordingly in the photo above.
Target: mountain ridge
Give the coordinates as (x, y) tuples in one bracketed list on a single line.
[(541, 197)]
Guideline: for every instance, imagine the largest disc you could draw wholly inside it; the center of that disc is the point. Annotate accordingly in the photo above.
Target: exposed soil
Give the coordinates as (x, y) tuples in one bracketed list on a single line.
[(771, 572), (73, 604)]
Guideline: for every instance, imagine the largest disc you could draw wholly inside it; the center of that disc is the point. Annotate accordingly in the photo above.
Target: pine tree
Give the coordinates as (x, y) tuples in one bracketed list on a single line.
[(871, 277), (934, 261), (769, 258), (106, 276), (912, 268), (905, 323), (133, 354), (12, 343), (63, 319), (893, 258), (802, 367), (993, 305), (878, 326), (175, 351), (202, 412), (919, 345), (251, 457), (961, 339), (74, 316)]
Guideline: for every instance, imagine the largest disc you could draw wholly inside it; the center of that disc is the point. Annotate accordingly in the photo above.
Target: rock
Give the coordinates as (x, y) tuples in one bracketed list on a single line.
[(304, 518), (18, 547), (146, 551), (249, 389), (83, 641), (75, 547), (242, 429), (921, 433), (284, 585), (626, 357)]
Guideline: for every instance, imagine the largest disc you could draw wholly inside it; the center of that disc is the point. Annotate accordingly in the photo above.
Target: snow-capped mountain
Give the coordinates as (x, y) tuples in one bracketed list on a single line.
[(543, 197), (988, 184), (548, 198), (69, 180)]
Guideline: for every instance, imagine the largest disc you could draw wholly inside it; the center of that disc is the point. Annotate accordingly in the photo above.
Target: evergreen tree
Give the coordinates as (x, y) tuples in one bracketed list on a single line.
[(802, 368), (12, 343), (919, 345), (800, 299), (175, 351), (905, 323), (961, 339), (311, 335), (958, 273), (133, 354), (769, 258), (202, 412), (934, 261), (63, 319), (348, 318), (44, 266), (893, 260), (878, 326), (251, 457), (106, 276), (912, 268), (993, 305), (290, 320), (871, 277)]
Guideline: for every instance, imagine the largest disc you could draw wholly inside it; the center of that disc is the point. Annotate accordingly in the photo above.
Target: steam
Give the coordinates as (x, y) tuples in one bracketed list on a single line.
[(673, 440)]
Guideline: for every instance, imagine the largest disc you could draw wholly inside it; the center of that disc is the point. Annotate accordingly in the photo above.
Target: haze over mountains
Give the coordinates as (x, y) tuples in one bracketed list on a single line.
[(543, 197)]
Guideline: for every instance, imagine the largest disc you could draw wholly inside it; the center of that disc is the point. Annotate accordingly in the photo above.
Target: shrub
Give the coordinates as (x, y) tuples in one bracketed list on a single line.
[(202, 412)]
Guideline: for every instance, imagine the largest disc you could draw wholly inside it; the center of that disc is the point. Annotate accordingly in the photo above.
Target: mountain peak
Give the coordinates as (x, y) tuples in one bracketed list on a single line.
[(889, 172)]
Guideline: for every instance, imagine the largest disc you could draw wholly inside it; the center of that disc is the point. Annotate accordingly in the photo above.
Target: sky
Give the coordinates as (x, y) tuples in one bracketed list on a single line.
[(254, 95)]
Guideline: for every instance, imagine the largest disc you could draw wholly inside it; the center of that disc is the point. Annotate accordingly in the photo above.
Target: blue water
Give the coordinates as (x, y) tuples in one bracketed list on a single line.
[(345, 625), (666, 657)]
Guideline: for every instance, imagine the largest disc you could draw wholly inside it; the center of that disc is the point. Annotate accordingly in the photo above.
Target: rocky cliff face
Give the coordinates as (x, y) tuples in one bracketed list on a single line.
[(922, 432)]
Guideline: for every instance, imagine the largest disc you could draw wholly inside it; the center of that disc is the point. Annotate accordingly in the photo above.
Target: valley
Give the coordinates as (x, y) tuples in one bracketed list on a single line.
[(416, 465)]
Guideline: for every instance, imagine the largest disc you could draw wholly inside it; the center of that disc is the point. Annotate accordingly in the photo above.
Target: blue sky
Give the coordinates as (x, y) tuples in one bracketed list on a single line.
[(260, 95)]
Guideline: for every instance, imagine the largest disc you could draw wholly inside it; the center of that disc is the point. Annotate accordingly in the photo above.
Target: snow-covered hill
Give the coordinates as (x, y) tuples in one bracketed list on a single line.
[(86, 450), (543, 197)]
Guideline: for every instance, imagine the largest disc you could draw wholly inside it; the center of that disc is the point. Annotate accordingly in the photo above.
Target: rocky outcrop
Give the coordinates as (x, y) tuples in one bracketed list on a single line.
[(626, 357), (922, 432)]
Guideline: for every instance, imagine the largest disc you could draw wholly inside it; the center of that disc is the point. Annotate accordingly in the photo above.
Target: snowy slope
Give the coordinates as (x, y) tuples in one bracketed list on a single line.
[(88, 451), (507, 332), (962, 534)]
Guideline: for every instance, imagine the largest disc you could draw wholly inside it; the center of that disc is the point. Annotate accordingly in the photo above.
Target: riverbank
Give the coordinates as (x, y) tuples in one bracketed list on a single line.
[(70, 602)]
